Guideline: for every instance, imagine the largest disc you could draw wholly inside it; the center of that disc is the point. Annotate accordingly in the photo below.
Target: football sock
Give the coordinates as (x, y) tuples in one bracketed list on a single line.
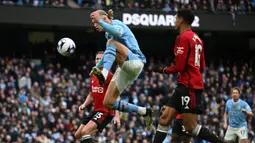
[(124, 106), (86, 139), (206, 134), (160, 134), (109, 58)]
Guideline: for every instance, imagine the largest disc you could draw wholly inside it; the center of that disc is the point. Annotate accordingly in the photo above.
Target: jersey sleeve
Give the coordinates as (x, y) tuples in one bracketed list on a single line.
[(247, 107), (226, 107), (115, 30), (202, 61), (90, 85), (109, 78), (180, 57)]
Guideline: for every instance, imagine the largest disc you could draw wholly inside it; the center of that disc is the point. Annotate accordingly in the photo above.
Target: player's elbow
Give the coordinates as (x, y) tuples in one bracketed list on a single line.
[(181, 68), (111, 41), (250, 114)]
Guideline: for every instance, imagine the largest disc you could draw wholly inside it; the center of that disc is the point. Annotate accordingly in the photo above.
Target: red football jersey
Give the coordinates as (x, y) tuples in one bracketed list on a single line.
[(189, 60), (179, 116), (98, 93)]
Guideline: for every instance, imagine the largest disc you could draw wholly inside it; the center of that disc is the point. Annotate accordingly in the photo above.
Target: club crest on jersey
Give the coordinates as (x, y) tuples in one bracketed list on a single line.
[(96, 89)]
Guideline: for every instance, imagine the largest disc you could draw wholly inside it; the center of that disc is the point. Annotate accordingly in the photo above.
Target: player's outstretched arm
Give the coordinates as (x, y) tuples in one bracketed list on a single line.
[(89, 100), (225, 120), (114, 30), (180, 59), (250, 114)]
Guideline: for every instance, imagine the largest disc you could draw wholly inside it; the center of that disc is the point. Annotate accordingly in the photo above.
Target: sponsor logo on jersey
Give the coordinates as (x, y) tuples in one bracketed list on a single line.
[(96, 89), (179, 50)]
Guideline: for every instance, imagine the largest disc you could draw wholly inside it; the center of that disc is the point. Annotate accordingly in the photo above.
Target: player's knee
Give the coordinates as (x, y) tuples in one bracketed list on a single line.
[(111, 41), (186, 139), (189, 127), (85, 132), (175, 138), (163, 121), (77, 135), (107, 104)]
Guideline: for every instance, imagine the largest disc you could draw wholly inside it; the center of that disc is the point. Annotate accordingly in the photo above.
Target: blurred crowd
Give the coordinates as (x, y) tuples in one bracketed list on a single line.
[(39, 3), (234, 6), (39, 103)]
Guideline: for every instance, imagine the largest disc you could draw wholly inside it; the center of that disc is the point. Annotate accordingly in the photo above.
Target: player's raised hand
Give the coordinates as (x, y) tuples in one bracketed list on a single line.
[(82, 107), (95, 16), (91, 73), (244, 110), (158, 68), (116, 121)]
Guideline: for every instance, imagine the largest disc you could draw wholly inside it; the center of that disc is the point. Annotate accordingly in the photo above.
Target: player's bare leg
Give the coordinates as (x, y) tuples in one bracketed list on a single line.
[(84, 132), (175, 138), (78, 132), (244, 141), (191, 126), (180, 139), (168, 114), (114, 51), (186, 139), (113, 92)]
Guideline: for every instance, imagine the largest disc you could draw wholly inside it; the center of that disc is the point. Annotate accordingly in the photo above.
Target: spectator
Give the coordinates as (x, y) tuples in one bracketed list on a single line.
[(166, 8), (43, 102), (221, 6)]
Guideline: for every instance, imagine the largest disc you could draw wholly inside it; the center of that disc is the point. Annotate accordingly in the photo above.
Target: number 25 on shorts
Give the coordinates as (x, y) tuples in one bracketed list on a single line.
[(98, 116)]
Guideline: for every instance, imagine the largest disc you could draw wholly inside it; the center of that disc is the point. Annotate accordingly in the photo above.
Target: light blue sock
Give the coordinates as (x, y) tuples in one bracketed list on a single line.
[(124, 106), (109, 56)]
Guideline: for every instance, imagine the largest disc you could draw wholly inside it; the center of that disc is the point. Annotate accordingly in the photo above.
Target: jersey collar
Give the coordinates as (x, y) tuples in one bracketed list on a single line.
[(235, 102)]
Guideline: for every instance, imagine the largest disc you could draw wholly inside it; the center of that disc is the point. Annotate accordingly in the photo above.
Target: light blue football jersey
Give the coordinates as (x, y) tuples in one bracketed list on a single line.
[(236, 117), (125, 36)]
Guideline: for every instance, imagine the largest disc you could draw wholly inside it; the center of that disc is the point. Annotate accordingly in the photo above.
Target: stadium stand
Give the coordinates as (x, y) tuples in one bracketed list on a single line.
[(233, 6), (39, 103), (39, 99)]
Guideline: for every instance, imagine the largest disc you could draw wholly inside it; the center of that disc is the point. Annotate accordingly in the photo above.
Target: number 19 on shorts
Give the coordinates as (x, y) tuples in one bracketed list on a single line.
[(185, 102)]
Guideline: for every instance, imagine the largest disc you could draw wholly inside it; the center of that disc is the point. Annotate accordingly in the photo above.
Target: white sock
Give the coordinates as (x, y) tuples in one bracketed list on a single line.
[(141, 110), (105, 73), (85, 137)]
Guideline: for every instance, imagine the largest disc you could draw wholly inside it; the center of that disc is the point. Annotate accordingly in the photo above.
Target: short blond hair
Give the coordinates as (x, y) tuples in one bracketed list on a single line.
[(109, 13), (236, 88)]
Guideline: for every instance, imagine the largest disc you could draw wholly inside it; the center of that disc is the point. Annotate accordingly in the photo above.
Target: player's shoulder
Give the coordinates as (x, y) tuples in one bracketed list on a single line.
[(117, 22), (243, 102), (187, 33), (190, 35), (92, 78), (229, 101)]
